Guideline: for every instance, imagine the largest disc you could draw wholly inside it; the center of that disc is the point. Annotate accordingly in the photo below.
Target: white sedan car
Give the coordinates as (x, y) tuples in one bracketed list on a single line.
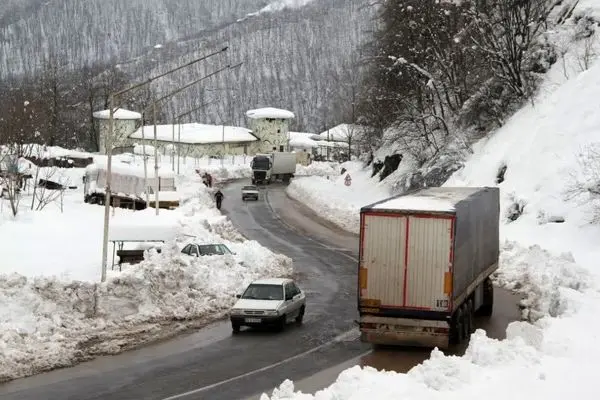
[(268, 302)]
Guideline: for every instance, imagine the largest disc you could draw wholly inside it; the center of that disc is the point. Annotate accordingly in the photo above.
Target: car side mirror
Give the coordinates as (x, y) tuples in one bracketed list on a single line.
[(238, 296)]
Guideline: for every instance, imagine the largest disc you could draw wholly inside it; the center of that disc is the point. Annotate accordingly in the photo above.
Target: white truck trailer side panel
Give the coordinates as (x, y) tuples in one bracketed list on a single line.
[(284, 163), (429, 263), (383, 259)]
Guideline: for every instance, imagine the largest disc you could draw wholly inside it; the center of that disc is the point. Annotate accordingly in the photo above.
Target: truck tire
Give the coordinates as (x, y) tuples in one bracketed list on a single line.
[(469, 315), (286, 179), (487, 307), (456, 328)]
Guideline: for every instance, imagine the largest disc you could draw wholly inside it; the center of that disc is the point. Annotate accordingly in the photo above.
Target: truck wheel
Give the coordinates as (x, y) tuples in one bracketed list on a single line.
[(286, 179), (468, 319), (456, 329), (487, 307)]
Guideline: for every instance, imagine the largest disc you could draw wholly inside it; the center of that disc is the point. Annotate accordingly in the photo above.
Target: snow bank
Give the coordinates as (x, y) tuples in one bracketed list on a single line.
[(48, 322), (336, 202), (319, 168)]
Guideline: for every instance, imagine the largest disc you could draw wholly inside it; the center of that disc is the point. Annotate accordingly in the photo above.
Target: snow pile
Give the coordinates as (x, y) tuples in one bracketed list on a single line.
[(48, 322), (539, 360), (336, 202), (319, 168)]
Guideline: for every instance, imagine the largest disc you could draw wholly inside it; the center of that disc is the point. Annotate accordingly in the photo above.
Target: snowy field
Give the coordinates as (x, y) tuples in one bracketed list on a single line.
[(550, 150), (55, 313)]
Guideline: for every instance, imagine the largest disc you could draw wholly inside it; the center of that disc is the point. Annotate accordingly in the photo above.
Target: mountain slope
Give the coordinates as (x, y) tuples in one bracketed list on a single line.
[(294, 57)]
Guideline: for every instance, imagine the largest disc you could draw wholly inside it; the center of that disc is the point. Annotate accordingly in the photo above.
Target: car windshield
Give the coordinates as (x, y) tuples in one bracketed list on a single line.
[(213, 249), (263, 292)]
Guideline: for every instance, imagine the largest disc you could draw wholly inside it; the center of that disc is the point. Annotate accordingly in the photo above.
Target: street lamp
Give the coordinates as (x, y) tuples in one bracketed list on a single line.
[(111, 113)]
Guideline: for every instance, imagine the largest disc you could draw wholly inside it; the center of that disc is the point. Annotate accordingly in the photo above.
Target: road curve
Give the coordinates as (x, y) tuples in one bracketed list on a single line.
[(213, 364)]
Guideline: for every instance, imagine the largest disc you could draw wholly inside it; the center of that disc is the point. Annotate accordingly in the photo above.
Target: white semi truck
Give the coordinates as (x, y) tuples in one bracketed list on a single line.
[(276, 166), (425, 265), (127, 185)]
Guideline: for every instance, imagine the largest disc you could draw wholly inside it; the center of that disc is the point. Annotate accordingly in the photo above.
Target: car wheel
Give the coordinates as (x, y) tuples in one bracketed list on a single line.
[(281, 323), (300, 316), (235, 328)]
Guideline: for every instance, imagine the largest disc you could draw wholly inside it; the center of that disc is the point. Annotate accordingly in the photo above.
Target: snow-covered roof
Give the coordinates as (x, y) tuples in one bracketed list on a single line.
[(122, 168), (142, 227), (302, 140), (196, 134), (118, 114), (342, 132), (270, 112), (325, 143)]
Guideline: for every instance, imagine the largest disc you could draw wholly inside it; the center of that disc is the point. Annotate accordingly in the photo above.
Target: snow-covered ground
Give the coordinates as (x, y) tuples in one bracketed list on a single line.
[(549, 150), (53, 310), (329, 196)]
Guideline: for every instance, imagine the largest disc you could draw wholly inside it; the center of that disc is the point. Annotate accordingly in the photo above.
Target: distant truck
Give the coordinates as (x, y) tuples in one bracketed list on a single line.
[(127, 186), (425, 265), (276, 166)]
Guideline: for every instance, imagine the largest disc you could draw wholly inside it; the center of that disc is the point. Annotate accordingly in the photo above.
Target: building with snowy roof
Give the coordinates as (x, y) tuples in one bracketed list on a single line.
[(124, 122), (196, 140), (271, 127)]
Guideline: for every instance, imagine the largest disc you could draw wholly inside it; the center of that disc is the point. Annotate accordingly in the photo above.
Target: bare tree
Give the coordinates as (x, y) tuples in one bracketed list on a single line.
[(503, 31)]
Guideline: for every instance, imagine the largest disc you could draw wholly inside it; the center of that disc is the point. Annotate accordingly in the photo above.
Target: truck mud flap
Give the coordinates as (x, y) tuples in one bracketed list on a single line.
[(409, 333)]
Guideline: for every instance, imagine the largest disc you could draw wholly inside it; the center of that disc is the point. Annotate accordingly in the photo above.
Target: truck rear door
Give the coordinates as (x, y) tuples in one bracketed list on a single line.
[(406, 261)]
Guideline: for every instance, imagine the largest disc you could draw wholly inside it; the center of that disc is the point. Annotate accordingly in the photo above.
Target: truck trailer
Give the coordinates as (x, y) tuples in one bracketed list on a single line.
[(425, 261), (276, 166), (128, 187)]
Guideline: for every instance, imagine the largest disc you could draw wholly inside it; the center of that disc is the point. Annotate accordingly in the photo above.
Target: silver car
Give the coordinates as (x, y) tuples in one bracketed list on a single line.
[(269, 302)]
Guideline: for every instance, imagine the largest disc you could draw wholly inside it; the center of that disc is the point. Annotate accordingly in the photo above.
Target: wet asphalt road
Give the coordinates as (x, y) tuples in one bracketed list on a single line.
[(213, 364)]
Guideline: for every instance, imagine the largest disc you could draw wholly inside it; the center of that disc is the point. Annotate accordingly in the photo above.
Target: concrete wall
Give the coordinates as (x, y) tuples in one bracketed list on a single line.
[(122, 129), (271, 132)]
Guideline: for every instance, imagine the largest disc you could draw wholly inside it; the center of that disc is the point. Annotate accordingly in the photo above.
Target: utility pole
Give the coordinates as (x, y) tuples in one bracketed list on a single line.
[(109, 142), (156, 184)]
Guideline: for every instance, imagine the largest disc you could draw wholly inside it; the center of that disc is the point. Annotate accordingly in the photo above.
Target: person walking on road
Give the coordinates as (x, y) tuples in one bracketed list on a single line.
[(219, 198)]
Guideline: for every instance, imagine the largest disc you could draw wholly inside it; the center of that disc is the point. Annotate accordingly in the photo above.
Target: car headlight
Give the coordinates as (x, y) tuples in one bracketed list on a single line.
[(237, 311), (271, 312)]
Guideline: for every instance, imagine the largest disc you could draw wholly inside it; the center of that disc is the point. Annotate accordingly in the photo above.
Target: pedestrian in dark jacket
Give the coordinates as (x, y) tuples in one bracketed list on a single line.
[(219, 198)]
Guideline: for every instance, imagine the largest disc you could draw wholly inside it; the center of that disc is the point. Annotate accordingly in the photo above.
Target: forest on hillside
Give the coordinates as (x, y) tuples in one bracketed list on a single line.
[(64, 57)]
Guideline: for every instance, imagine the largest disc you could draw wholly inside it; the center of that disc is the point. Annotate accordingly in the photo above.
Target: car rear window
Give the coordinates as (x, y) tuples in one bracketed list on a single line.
[(249, 188)]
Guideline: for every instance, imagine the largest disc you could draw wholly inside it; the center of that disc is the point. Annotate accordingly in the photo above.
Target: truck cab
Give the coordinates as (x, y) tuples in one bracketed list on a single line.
[(261, 168)]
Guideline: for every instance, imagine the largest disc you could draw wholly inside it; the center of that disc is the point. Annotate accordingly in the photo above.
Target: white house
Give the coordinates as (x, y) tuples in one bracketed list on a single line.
[(124, 122), (271, 127), (301, 141), (195, 139)]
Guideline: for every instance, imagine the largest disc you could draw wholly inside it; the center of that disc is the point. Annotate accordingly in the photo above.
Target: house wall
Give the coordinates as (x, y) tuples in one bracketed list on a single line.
[(198, 150), (122, 129), (271, 132)]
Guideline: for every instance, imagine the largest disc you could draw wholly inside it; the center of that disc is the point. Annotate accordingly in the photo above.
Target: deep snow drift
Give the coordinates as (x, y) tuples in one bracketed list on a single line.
[(48, 319), (550, 252)]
